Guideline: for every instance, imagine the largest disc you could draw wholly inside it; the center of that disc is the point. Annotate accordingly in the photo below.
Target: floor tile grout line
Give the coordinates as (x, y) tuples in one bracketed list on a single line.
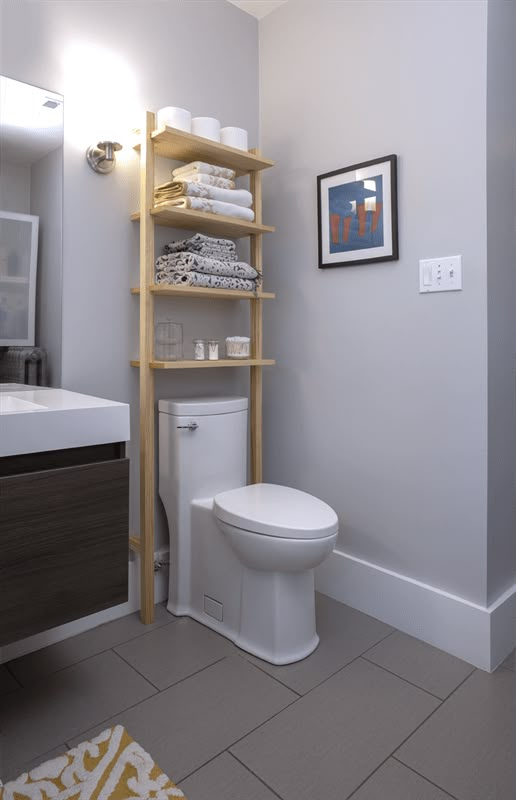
[(264, 672), (265, 721), (274, 792), (407, 766), (394, 630), (316, 686), (332, 675), (148, 680), (401, 678), (86, 658), (155, 694), (391, 754), (164, 689)]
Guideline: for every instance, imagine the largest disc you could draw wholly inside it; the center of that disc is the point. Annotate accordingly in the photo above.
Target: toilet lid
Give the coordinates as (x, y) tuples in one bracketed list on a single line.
[(276, 511)]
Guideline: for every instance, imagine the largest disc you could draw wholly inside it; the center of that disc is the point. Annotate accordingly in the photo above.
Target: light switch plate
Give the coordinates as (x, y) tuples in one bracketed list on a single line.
[(440, 274)]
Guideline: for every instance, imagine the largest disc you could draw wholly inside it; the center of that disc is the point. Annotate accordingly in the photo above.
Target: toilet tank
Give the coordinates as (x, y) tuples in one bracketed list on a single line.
[(202, 446), (202, 451)]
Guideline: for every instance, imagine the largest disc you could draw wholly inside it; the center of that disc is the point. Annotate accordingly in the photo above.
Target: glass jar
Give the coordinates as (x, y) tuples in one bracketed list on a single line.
[(168, 344), (200, 349)]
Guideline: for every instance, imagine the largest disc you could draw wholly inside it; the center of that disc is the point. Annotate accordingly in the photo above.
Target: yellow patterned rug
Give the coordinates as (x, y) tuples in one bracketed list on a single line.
[(112, 766)]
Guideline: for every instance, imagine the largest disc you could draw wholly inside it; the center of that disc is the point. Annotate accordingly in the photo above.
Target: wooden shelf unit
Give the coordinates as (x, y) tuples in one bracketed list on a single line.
[(221, 362), (204, 292), (212, 224), (181, 146)]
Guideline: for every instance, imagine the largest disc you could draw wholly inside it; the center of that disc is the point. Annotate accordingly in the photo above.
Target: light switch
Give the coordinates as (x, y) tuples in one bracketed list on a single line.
[(440, 274)]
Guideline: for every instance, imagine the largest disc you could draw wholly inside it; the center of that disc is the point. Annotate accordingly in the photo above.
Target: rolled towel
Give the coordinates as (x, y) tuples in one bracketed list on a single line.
[(208, 169), (187, 262), (212, 207), (172, 189), (210, 281), (209, 180)]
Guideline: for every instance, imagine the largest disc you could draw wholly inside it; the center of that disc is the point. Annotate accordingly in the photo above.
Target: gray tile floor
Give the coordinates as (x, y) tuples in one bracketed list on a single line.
[(372, 715)]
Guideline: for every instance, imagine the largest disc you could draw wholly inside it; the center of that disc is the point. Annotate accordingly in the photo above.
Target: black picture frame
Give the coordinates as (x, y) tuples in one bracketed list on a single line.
[(342, 222)]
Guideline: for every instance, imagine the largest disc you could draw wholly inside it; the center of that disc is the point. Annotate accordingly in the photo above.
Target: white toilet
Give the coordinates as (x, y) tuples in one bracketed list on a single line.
[(242, 557)]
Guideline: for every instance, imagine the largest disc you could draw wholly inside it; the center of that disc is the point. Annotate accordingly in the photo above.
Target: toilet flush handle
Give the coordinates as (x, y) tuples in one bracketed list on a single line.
[(192, 426)]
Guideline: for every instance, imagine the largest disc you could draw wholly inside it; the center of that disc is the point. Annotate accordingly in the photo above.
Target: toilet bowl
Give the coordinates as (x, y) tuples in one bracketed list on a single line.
[(279, 535), (242, 558)]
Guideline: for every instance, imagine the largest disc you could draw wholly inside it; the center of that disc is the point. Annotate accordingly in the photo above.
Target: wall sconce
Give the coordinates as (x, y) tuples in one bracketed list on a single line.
[(102, 157)]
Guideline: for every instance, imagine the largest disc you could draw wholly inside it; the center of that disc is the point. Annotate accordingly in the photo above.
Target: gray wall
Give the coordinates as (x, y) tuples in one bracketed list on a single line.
[(501, 293), (47, 204), (14, 187), (112, 60), (379, 401)]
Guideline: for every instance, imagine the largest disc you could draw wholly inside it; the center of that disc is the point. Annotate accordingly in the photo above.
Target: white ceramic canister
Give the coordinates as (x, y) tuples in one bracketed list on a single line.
[(208, 127), (213, 349), (234, 137), (175, 117)]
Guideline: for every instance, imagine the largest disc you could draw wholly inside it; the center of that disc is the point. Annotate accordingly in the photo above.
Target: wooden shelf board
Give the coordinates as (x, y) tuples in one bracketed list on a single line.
[(182, 146), (216, 224), (226, 362), (205, 293)]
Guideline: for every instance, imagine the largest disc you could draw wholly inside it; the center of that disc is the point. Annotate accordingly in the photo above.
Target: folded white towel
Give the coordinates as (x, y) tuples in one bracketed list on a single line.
[(173, 189), (210, 180), (208, 169), (212, 206)]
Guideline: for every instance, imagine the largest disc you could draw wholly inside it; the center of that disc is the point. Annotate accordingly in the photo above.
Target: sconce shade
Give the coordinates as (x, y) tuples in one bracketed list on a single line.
[(102, 158)]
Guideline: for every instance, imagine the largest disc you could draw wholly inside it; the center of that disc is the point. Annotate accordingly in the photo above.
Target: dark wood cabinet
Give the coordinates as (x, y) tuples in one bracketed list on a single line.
[(63, 538)]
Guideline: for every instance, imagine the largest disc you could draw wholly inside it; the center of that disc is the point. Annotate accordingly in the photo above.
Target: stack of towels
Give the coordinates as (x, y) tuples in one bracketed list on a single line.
[(205, 261), (206, 187)]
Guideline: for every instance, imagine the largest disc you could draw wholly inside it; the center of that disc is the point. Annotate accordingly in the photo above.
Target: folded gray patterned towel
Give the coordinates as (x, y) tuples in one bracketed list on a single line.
[(207, 169), (201, 279), (187, 262), (172, 189), (209, 180), (212, 207), (209, 246)]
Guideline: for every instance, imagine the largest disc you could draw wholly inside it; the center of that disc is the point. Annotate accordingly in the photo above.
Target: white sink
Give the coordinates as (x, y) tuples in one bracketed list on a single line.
[(34, 419), (13, 405)]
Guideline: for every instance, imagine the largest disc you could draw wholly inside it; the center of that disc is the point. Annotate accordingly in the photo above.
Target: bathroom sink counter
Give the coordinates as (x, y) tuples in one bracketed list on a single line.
[(36, 419)]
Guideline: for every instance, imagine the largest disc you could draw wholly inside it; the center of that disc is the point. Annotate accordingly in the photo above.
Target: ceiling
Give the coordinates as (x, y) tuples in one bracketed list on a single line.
[(28, 128), (258, 8)]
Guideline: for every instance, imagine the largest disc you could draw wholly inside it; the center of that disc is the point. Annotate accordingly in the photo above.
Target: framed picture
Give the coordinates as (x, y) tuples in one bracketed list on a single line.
[(358, 214)]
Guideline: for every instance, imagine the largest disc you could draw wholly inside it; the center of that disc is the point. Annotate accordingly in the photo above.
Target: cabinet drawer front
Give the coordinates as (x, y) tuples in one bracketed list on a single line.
[(63, 545)]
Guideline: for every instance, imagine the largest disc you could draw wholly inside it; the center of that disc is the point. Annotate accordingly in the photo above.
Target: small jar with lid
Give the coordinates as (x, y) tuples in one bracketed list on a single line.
[(200, 349)]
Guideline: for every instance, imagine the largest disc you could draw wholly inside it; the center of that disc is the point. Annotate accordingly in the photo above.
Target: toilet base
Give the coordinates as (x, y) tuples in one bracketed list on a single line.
[(277, 617)]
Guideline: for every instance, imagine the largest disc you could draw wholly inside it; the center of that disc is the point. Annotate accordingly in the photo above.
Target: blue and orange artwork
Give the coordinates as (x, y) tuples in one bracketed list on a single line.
[(356, 215)]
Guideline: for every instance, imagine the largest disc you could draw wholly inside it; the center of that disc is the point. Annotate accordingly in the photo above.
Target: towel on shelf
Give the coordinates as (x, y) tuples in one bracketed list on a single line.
[(212, 207), (208, 169), (209, 246), (209, 180), (209, 281), (188, 262), (172, 189)]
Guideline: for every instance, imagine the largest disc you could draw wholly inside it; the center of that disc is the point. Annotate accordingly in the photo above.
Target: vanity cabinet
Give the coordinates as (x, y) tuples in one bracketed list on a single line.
[(63, 537)]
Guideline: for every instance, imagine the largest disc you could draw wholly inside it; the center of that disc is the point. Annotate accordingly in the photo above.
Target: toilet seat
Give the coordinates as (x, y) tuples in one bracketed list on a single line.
[(278, 511)]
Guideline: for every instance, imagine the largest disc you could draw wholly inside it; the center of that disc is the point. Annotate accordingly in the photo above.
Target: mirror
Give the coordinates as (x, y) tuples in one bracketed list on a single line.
[(31, 213)]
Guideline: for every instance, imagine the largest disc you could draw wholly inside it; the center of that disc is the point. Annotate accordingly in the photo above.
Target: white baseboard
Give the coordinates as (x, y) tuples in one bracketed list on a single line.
[(482, 636), (45, 638)]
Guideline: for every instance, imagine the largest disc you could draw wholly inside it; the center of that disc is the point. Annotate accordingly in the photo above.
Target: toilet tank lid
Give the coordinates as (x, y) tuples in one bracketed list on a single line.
[(202, 406)]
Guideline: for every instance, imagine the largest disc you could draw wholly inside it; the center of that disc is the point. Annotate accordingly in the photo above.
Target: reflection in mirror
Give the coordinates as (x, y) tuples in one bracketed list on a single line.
[(31, 192)]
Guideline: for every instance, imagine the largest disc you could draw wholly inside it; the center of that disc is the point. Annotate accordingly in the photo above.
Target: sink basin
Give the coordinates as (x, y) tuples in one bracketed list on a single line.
[(13, 405), (34, 419)]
